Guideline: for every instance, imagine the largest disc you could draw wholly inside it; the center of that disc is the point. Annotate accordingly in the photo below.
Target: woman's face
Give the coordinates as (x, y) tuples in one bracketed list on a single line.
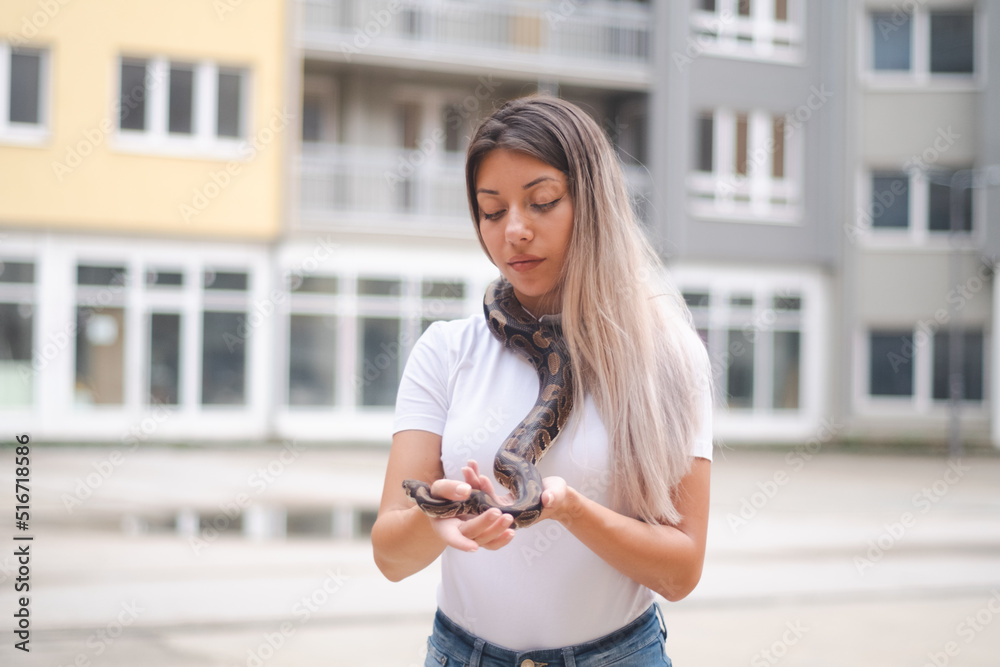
[(525, 219)]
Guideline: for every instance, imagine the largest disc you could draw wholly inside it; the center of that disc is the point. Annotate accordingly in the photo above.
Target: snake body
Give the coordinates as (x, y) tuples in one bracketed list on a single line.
[(540, 343)]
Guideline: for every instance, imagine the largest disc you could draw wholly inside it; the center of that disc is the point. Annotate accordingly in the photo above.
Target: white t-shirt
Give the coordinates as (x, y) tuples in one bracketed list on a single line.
[(545, 589)]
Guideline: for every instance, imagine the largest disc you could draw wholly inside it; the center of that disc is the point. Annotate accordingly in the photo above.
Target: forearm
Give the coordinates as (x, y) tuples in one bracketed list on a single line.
[(404, 543), (663, 558)]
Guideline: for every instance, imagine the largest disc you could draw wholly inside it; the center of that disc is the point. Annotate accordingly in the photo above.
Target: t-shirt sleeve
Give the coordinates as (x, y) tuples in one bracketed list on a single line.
[(702, 445), (422, 399)]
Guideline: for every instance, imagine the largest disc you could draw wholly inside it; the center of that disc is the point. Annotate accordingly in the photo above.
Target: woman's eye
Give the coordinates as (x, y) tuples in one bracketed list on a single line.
[(492, 216), (546, 206)]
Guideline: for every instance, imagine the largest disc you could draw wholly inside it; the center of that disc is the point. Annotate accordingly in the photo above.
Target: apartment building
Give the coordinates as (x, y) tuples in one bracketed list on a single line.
[(143, 155), (250, 211)]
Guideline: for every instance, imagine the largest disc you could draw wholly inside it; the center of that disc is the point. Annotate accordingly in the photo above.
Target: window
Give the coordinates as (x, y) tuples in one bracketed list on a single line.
[(890, 369), (171, 105), (745, 166), (916, 203), (226, 329), (759, 29), (100, 335), (313, 337), (915, 363), (970, 362), (754, 340), (17, 328), (23, 93), (922, 42)]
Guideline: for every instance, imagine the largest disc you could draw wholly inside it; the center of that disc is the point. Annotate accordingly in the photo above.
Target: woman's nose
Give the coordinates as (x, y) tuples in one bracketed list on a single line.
[(518, 226)]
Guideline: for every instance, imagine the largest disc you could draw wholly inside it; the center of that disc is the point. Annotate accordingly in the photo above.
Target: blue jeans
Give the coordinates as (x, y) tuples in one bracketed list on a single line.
[(638, 644)]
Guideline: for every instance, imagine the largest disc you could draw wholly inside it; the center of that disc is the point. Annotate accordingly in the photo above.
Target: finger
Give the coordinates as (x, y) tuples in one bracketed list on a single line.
[(501, 540), (449, 530), (486, 527), (451, 489)]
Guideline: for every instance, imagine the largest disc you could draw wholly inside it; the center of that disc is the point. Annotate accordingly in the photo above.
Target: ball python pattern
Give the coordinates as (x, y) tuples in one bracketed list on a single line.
[(540, 343)]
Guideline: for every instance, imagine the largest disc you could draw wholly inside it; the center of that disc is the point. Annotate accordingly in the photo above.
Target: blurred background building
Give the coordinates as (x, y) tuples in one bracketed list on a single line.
[(229, 221)]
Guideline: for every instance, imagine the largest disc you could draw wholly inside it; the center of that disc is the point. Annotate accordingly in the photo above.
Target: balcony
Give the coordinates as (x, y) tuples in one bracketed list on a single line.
[(391, 190), (599, 43)]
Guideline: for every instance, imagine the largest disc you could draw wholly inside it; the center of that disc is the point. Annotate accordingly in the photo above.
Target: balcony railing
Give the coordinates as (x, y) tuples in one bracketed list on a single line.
[(395, 189), (545, 34)]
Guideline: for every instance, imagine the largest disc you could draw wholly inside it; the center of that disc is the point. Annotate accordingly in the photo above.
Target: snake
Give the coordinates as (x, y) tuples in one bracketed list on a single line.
[(539, 342)]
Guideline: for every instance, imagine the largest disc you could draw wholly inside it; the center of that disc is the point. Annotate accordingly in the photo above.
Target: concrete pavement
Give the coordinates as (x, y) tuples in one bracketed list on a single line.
[(815, 558)]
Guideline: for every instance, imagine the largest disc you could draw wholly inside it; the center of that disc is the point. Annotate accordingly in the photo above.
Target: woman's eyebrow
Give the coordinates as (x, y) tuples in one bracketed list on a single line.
[(533, 183)]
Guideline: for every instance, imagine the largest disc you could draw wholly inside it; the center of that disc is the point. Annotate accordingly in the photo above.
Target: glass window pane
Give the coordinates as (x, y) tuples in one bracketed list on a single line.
[(442, 290), (741, 143), (312, 118), (132, 96), (739, 374), (378, 367), (952, 42), (744, 7), (786, 370), (17, 272), (223, 360), (181, 100), (377, 287), (312, 359), (156, 278), (696, 299), (226, 280), (780, 10), (890, 364), (25, 87), (453, 125), (939, 209), (971, 355), (708, 5), (787, 303), (16, 374), (164, 358), (778, 154), (100, 275), (408, 124), (891, 41), (100, 356), (890, 204), (230, 112), (313, 284), (706, 145)]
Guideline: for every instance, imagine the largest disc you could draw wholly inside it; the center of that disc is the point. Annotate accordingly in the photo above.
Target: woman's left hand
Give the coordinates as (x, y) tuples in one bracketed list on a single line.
[(555, 498)]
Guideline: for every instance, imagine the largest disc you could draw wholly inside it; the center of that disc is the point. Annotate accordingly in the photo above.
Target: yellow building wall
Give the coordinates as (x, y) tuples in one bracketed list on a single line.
[(112, 190)]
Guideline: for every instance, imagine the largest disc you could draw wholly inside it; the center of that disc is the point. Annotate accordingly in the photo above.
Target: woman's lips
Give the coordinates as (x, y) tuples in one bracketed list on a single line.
[(524, 263)]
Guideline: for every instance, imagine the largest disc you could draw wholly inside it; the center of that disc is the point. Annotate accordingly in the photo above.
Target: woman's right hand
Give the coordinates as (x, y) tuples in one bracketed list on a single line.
[(490, 530)]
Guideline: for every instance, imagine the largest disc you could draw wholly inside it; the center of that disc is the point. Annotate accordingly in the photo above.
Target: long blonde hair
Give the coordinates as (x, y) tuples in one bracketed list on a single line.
[(628, 330)]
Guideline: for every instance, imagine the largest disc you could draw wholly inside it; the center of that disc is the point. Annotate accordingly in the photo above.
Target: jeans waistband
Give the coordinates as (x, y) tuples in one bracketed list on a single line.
[(648, 627)]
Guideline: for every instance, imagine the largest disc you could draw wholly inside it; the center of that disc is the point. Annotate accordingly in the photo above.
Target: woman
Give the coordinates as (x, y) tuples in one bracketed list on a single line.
[(626, 483)]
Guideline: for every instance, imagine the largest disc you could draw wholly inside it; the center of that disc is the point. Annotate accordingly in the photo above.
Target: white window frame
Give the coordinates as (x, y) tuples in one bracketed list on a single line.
[(725, 33), (917, 233), (25, 133), (710, 194), (921, 401), (204, 141), (757, 424), (919, 74)]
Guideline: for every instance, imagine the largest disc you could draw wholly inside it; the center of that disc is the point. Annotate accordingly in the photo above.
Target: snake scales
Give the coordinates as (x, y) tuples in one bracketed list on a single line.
[(541, 344)]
